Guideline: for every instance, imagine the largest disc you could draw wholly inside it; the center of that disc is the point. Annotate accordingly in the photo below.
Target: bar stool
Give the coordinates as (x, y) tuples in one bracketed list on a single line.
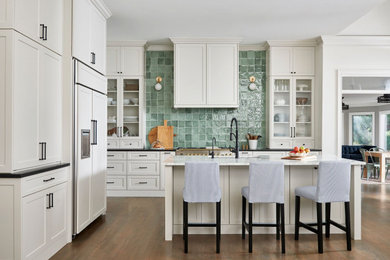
[(266, 185), (333, 185), (201, 185)]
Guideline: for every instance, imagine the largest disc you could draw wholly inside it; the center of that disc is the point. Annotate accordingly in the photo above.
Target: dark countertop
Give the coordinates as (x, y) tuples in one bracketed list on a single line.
[(174, 149), (34, 171)]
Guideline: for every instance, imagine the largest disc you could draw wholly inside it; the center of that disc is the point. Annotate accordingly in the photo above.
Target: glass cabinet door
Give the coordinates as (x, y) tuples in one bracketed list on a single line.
[(130, 107), (112, 107), (303, 107), (281, 107)]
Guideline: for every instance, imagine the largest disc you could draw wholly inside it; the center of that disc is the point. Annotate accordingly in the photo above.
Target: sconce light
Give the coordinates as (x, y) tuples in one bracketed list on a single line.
[(158, 85), (252, 85)]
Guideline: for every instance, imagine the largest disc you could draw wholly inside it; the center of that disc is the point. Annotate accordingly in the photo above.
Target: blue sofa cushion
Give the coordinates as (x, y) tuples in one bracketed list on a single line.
[(353, 151)]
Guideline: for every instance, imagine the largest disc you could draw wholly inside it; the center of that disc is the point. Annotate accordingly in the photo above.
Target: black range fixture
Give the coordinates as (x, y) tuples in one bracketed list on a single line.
[(384, 99)]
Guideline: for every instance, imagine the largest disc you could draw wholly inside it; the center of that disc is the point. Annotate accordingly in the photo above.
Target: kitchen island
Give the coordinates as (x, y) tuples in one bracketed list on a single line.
[(234, 174)]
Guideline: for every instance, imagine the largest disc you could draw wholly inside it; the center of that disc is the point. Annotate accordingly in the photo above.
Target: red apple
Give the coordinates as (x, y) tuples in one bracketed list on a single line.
[(296, 149)]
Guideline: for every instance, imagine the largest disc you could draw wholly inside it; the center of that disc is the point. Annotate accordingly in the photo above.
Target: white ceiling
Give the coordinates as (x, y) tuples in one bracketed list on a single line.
[(256, 21)]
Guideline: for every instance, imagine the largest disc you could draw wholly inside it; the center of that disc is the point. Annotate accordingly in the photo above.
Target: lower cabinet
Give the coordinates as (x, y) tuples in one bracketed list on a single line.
[(129, 143), (34, 225)]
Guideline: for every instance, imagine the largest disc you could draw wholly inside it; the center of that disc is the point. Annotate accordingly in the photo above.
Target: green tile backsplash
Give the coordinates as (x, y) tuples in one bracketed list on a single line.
[(195, 127)]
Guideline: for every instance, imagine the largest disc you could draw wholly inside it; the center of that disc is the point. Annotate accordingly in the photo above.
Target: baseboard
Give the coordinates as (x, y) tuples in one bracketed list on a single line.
[(135, 193)]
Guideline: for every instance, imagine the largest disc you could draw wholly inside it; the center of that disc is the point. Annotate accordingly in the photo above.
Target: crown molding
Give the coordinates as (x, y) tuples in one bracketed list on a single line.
[(159, 47), (204, 40), (252, 47), (126, 43), (102, 7), (355, 40), (295, 43)]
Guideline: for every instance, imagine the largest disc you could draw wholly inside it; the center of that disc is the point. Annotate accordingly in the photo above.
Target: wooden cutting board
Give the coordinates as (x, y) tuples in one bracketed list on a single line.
[(164, 134), (304, 158)]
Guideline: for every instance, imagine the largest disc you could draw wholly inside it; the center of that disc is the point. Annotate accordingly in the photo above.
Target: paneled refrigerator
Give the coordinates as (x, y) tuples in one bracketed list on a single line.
[(90, 146)]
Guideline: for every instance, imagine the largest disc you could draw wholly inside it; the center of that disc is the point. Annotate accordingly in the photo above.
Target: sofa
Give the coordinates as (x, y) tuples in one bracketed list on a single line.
[(353, 151)]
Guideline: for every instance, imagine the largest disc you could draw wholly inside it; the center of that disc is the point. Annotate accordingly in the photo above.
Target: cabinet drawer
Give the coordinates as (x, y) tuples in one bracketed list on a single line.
[(305, 143), (116, 168), (245, 154), (112, 144), (131, 143), (144, 156), (143, 183), (116, 182), (286, 144), (142, 168), (42, 181), (114, 156)]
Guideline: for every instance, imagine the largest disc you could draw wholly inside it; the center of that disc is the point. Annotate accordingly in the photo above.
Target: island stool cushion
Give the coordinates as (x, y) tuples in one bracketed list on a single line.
[(266, 182), (333, 183), (201, 182)]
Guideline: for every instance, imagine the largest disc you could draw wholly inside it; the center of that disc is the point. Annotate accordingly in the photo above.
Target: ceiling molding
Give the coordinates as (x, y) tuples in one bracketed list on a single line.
[(204, 40), (102, 7), (355, 40), (252, 47), (297, 43), (159, 47), (126, 43)]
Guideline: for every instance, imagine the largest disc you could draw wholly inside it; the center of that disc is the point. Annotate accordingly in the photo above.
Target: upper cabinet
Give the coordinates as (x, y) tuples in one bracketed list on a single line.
[(206, 72), (89, 33), (285, 61), (40, 20), (125, 60)]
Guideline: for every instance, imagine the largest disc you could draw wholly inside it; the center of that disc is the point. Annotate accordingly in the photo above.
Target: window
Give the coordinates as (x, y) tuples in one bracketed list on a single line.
[(362, 128), (384, 129)]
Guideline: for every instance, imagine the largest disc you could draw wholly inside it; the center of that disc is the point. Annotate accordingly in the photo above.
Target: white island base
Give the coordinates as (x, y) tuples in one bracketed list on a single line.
[(234, 174)]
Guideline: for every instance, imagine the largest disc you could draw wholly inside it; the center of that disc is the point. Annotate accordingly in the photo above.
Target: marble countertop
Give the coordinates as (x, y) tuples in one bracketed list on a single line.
[(245, 161)]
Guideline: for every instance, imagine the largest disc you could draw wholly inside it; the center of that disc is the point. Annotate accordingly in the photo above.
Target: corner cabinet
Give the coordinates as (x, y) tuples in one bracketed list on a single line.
[(291, 90), (206, 73), (89, 33)]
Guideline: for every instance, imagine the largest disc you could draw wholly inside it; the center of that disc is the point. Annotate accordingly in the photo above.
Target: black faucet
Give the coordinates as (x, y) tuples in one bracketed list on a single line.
[(212, 147), (236, 150)]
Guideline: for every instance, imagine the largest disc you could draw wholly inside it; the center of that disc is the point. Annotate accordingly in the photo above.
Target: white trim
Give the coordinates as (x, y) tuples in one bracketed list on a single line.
[(159, 47), (297, 43), (139, 43), (382, 129), (204, 40), (102, 7), (252, 47), (355, 40), (350, 125)]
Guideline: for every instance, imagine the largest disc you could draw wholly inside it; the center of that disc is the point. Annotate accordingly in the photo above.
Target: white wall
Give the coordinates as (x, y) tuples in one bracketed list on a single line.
[(346, 52)]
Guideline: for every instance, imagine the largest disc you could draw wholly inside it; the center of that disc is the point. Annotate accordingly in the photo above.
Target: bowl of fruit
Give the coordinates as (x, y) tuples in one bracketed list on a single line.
[(299, 152)]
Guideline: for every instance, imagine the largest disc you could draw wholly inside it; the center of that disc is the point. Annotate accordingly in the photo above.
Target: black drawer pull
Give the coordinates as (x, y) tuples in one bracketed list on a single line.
[(47, 180), (142, 155), (110, 155), (142, 167), (110, 182), (110, 167), (142, 182)]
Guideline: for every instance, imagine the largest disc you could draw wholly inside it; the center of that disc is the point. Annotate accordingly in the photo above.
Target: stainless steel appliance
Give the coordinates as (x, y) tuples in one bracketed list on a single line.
[(90, 146)]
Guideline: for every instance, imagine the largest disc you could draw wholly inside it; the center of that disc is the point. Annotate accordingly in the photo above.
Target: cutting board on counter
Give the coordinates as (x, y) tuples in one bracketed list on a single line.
[(303, 158), (163, 134)]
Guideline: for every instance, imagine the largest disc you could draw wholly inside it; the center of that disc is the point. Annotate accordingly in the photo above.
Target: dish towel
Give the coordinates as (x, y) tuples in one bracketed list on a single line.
[(201, 182)]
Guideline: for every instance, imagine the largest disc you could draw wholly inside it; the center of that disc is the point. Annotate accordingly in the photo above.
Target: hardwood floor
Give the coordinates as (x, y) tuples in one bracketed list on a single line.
[(134, 229)]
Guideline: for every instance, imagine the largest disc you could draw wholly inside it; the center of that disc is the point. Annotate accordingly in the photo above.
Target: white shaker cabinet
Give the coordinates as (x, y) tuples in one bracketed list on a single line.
[(206, 73), (89, 33), (40, 20), (126, 59), (292, 61)]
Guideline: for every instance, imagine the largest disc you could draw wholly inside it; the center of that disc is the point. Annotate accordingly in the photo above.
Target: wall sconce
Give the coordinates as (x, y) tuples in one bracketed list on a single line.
[(252, 85), (158, 85)]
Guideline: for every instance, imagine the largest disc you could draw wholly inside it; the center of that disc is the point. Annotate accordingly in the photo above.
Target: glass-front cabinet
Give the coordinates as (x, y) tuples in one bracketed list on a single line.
[(124, 105), (291, 115)]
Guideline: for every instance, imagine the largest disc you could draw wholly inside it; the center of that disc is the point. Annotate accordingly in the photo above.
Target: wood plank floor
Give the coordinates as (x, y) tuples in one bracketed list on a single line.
[(134, 229)]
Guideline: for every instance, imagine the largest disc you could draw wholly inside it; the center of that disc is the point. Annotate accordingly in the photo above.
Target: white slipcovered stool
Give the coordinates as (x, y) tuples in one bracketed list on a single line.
[(266, 185), (201, 185), (333, 185)]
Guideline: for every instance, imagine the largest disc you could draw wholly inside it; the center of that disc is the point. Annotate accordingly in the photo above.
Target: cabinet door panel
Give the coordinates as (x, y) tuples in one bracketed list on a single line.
[(281, 61), (113, 60), (56, 216), (27, 17), (50, 104), (98, 40), (133, 61), (25, 103), (190, 75), (304, 61), (51, 16), (81, 32), (222, 75), (34, 225)]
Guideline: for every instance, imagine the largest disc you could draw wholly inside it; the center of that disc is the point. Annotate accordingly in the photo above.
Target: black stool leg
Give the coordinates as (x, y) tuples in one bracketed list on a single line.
[(282, 228), (297, 209), (243, 217), (185, 224), (278, 221), (218, 221), (327, 219), (250, 227), (319, 227), (348, 225)]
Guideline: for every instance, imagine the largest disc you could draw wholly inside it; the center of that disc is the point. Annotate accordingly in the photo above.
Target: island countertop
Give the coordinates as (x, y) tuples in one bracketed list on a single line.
[(245, 161)]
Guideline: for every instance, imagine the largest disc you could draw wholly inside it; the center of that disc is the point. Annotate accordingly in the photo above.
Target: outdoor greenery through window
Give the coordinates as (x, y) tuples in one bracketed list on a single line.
[(362, 129)]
